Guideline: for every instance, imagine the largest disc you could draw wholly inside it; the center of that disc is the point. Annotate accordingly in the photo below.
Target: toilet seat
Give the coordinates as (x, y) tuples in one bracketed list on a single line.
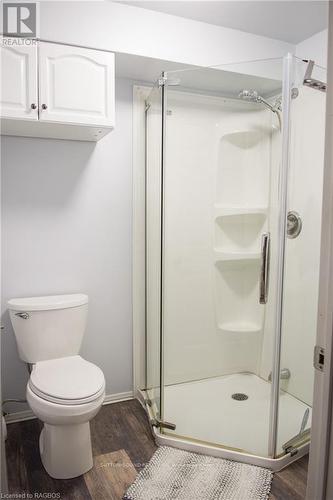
[(67, 381)]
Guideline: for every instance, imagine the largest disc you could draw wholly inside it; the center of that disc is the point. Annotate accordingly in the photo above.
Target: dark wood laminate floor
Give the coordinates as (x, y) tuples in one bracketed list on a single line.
[(121, 437)]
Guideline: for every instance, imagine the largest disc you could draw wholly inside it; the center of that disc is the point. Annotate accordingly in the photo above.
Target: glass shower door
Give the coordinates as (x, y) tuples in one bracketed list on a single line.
[(302, 258), (223, 155), (231, 303)]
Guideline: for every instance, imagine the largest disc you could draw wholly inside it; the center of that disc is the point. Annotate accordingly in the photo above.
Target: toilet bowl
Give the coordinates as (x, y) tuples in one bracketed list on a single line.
[(64, 390), (66, 409)]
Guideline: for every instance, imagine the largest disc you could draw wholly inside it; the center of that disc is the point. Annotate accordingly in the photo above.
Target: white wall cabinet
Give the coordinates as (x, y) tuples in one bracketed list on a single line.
[(76, 85), (56, 91), (19, 89)]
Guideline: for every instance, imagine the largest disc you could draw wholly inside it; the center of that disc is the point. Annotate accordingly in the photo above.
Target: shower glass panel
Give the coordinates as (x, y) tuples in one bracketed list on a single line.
[(231, 302), (302, 257), (221, 172), (153, 161)]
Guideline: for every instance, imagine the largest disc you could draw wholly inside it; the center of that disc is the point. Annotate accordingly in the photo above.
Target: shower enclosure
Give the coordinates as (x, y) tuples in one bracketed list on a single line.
[(233, 179)]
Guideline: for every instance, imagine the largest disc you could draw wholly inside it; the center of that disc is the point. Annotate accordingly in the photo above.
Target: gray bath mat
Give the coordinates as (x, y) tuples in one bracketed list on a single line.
[(174, 474)]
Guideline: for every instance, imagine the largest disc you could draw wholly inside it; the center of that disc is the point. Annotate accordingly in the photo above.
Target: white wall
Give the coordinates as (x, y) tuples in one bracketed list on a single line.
[(132, 30), (314, 48), (67, 227)]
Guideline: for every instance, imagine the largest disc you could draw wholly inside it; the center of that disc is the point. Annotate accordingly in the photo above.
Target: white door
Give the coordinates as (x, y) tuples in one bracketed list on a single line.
[(18, 92), (76, 85)]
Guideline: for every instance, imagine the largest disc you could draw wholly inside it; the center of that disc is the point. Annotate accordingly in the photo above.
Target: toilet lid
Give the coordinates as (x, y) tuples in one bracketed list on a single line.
[(70, 380)]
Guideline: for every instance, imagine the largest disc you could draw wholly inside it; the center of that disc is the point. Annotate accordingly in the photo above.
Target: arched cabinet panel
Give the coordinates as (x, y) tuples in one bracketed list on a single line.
[(19, 97), (76, 85)]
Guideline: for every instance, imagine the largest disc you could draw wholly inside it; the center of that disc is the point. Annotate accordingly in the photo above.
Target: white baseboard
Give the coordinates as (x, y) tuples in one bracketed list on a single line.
[(20, 416), (116, 398)]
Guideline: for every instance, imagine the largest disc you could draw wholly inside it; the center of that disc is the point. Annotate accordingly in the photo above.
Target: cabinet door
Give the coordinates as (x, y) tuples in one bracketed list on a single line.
[(18, 92), (76, 85)]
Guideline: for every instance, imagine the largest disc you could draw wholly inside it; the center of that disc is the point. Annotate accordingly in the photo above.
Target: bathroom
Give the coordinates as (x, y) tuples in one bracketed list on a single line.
[(163, 184)]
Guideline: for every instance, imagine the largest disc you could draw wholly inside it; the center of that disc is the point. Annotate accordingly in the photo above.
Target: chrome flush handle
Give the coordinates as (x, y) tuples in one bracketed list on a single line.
[(23, 315)]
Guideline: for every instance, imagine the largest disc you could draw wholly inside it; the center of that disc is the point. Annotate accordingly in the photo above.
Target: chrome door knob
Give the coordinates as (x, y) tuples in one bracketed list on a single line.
[(33, 106), (44, 106), (294, 224)]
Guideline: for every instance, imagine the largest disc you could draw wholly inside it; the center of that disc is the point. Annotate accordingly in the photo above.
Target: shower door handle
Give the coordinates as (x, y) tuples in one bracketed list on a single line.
[(264, 271)]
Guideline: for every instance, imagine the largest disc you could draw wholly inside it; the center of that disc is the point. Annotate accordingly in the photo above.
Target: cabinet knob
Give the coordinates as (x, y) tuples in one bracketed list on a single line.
[(33, 106), (44, 106)]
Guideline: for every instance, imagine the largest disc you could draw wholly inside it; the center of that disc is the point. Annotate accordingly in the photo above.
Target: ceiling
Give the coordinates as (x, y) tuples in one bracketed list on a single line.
[(290, 21), (213, 81)]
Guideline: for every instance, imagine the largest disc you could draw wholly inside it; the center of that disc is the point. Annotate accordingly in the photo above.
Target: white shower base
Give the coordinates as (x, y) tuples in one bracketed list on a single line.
[(204, 410)]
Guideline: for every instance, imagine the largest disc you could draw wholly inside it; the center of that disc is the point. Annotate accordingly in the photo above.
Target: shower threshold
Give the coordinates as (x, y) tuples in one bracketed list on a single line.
[(233, 411)]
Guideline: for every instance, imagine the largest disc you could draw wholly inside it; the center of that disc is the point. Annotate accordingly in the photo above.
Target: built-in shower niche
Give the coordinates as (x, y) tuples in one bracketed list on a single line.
[(239, 231), (243, 169), (237, 295)]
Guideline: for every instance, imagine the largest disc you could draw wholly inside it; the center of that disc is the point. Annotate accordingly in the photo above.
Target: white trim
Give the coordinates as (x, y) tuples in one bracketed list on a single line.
[(21, 416), (140, 93), (320, 484), (118, 397)]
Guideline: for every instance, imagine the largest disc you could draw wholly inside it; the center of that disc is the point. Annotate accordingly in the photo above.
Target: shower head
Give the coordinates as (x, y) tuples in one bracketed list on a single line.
[(253, 96), (249, 95)]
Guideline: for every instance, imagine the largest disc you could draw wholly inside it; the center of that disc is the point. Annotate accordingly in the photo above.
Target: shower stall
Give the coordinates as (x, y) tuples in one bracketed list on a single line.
[(233, 191)]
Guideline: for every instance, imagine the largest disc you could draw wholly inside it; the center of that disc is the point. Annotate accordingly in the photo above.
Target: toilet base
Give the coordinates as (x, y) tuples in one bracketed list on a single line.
[(65, 450)]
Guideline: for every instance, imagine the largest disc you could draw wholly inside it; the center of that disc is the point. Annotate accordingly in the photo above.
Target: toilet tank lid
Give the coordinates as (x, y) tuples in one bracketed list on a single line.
[(47, 302)]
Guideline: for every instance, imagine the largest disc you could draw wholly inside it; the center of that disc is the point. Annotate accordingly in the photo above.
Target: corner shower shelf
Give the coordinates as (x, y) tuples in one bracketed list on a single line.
[(243, 139), (221, 256), (223, 211), (239, 327)]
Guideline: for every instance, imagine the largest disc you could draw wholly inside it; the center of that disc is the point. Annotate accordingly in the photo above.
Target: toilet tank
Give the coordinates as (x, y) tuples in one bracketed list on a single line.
[(48, 327)]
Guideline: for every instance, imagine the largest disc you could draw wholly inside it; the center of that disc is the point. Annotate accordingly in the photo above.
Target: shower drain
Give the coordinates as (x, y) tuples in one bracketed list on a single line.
[(239, 396)]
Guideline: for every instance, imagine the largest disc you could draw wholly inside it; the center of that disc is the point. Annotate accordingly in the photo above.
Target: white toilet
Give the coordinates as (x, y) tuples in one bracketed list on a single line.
[(64, 390)]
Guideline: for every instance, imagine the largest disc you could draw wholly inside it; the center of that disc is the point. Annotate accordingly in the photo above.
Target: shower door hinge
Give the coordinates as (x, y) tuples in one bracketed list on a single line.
[(319, 358), (155, 422), (293, 451), (312, 82), (292, 446)]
